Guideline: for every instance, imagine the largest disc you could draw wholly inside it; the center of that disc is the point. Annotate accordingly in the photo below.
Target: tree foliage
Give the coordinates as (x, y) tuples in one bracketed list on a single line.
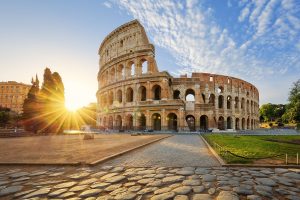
[(293, 107), (4, 116), (271, 112)]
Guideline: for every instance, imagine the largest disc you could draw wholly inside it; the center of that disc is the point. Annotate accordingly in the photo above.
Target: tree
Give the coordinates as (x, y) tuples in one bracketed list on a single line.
[(4, 116), (267, 111), (293, 108)]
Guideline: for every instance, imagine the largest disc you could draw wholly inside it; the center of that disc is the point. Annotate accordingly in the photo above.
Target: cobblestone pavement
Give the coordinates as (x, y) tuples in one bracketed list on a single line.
[(175, 151), (155, 183)]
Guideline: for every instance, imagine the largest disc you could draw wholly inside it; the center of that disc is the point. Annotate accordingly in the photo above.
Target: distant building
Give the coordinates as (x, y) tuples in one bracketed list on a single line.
[(13, 94)]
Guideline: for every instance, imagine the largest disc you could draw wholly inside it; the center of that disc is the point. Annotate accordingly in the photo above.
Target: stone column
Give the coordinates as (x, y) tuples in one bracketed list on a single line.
[(138, 68), (148, 120), (163, 120), (149, 92)]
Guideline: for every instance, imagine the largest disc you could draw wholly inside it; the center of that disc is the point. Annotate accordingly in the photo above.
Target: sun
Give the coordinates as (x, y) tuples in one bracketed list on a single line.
[(72, 106)]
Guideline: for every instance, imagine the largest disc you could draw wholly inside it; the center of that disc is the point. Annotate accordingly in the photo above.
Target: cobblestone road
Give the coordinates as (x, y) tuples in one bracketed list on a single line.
[(175, 151), (155, 183)]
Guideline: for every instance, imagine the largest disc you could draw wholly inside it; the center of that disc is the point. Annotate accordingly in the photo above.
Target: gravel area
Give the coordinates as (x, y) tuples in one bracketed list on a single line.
[(176, 151)]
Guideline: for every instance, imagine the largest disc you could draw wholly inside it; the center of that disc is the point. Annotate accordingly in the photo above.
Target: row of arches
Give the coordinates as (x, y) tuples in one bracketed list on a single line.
[(156, 94), (125, 70), (172, 122)]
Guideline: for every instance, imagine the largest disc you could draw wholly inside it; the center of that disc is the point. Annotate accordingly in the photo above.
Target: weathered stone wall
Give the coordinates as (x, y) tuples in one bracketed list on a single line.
[(133, 94)]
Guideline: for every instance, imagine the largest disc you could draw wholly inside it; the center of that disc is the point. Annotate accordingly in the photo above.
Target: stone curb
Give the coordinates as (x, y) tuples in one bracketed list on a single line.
[(126, 151), (221, 161), (82, 163)]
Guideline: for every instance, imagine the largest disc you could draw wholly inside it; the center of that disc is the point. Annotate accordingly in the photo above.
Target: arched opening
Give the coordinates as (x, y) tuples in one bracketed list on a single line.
[(104, 122), (229, 123), (132, 68), (237, 124), (248, 123), (190, 95), (129, 95), (112, 75), (243, 124), (119, 96), (176, 94), (129, 122), (203, 122), (236, 102), (221, 101), (110, 98), (156, 90), (220, 90), (119, 122), (156, 122), (144, 64), (142, 122), (106, 77), (212, 99), (110, 122), (229, 102), (121, 72), (142, 93), (243, 104), (248, 106), (172, 121), (252, 124), (221, 124), (190, 120)]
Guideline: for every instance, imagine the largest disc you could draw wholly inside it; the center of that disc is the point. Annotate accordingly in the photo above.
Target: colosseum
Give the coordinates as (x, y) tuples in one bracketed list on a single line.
[(134, 95)]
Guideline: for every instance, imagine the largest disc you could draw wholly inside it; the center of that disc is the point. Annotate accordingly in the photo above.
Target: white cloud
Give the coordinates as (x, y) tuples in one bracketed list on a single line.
[(198, 43), (107, 4)]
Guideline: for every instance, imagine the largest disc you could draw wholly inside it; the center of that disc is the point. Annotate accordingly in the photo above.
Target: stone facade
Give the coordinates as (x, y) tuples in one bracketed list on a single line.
[(134, 94), (13, 94)]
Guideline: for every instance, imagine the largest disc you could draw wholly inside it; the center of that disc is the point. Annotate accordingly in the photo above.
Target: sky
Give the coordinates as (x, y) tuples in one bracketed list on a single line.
[(255, 40)]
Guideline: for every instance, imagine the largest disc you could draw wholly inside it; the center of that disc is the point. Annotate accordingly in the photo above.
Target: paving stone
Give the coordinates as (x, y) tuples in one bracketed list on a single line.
[(18, 174), (198, 189), (226, 188), (174, 185), (264, 193), (57, 192), (107, 176), (23, 178), (292, 197), (157, 183), (185, 173), (67, 195), (292, 175), (162, 190), (243, 190), (147, 190), (164, 196), (100, 185), (202, 171), (227, 195), (135, 188), (88, 181), (98, 174), (36, 193), (112, 187), (125, 196), (209, 178), (4, 182), (253, 197), (211, 191), (172, 179), (144, 172), (201, 197), (106, 197), (38, 173), (145, 181), (129, 184), (89, 193), (115, 179), (79, 188), (192, 182), (56, 174), (117, 169), (106, 168), (263, 188), (118, 191), (159, 176), (65, 185), (11, 190), (181, 197), (266, 181), (182, 190)]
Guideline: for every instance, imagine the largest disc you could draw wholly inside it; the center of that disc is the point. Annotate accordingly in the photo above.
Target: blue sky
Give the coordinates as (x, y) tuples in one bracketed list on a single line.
[(256, 40)]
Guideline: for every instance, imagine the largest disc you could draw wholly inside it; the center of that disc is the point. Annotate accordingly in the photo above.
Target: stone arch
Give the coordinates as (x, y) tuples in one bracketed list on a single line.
[(237, 124), (248, 123), (129, 94), (221, 101), (120, 72), (248, 106), (110, 122), (203, 122), (203, 97), (236, 102), (110, 98), (211, 99), (130, 68), (144, 65), (176, 94), (142, 93), (243, 123), (190, 95), (229, 100), (156, 92), (104, 122), (142, 121), (172, 121), (112, 74), (129, 122), (229, 123), (191, 122), (243, 104), (156, 121), (221, 123), (220, 90), (119, 96), (119, 122)]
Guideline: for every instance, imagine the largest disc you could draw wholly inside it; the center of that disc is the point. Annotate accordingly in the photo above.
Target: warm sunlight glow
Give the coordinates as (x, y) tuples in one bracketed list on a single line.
[(72, 106)]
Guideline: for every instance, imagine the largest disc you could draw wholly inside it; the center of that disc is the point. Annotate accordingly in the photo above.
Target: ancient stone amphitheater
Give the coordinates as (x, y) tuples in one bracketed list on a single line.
[(134, 95)]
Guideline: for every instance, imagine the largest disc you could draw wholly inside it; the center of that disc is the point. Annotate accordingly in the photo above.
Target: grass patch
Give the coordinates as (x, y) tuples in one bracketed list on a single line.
[(253, 147)]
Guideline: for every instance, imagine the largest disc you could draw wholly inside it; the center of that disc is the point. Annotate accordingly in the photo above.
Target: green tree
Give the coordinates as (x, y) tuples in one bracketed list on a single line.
[(292, 113), (4, 116), (267, 111)]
